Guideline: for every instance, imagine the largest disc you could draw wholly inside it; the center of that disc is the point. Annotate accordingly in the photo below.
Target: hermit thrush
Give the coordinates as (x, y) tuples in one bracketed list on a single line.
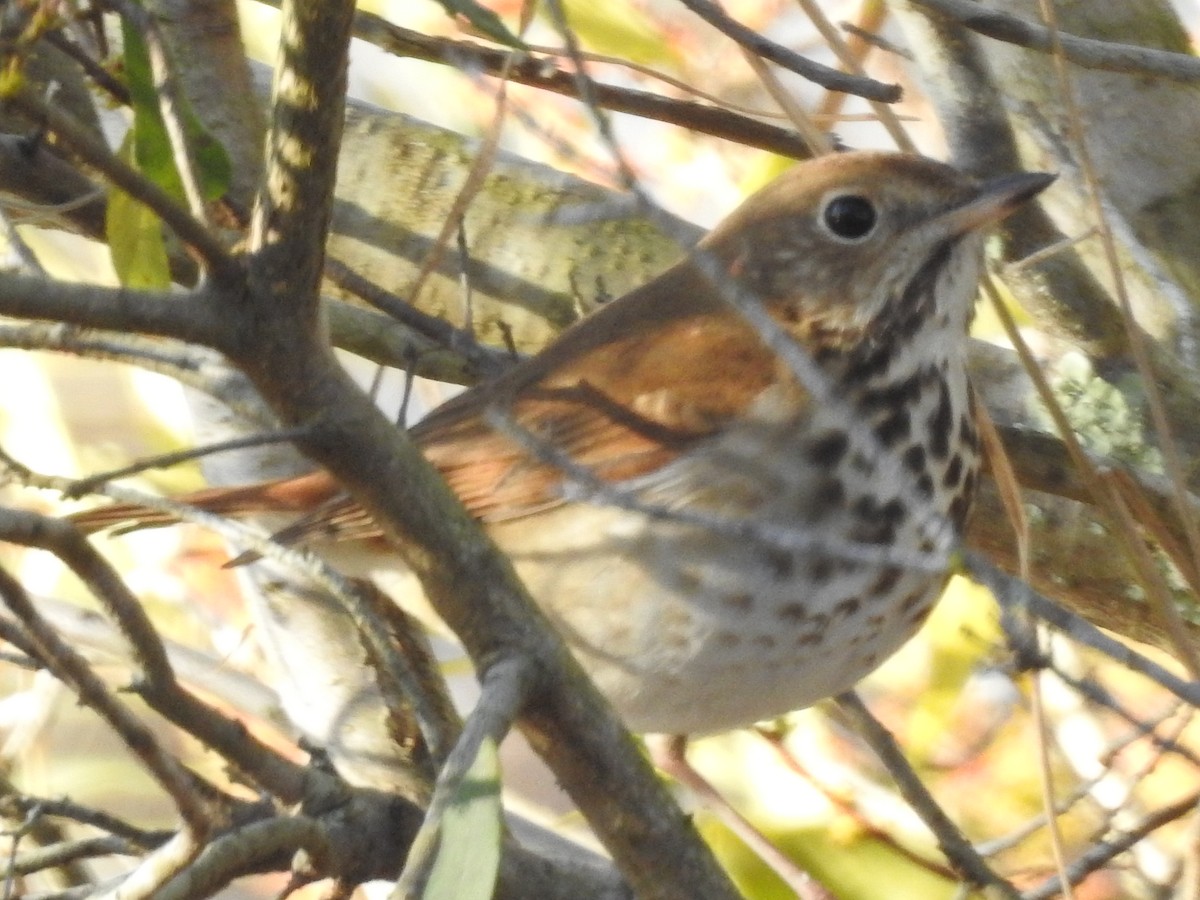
[(755, 548)]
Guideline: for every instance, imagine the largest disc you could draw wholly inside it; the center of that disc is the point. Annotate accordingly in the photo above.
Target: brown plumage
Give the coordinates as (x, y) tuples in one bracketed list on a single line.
[(870, 263)]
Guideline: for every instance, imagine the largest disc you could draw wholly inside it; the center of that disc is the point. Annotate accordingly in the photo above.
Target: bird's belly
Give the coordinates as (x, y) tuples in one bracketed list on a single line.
[(686, 631)]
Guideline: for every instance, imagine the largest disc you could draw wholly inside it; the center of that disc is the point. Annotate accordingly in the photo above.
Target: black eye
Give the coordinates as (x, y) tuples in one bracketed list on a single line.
[(849, 217)]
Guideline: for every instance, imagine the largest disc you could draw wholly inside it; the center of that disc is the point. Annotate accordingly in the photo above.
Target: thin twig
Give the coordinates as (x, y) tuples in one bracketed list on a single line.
[(818, 142), (1084, 52), (1041, 722), (1102, 852), (953, 843), (1012, 593), (1167, 612), (543, 74), (1106, 498), (853, 64), (70, 668), (167, 460), (484, 360), (826, 77), (92, 151)]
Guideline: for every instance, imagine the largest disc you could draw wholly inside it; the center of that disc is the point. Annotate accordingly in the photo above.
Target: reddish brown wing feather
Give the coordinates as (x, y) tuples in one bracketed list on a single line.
[(296, 495), (646, 378), (649, 376)]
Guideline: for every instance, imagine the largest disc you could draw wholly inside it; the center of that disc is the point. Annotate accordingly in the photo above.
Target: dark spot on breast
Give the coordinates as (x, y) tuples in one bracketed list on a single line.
[(893, 511), (865, 507), (895, 428), (941, 422), (959, 510), (887, 580), (846, 608), (954, 471), (780, 562), (792, 612), (900, 393), (765, 641), (912, 601), (918, 615), (808, 639), (820, 569), (728, 639), (873, 532), (829, 448), (742, 602), (878, 522), (861, 463), (870, 359), (829, 494), (914, 459)]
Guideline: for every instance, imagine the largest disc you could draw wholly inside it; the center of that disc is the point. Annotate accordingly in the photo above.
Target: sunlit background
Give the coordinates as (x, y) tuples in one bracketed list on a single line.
[(960, 715)]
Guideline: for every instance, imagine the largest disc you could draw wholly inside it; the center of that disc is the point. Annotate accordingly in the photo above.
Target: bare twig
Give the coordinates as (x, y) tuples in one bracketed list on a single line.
[(1014, 594), (540, 73), (826, 77), (67, 665), (952, 841), (484, 360), (1102, 852), (67, 809), (853, 64), (167, 460), (1085, 52)]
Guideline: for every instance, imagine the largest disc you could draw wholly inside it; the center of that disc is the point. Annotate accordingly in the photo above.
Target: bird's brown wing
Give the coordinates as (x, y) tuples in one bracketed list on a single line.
[(646, 378), (643, 381), (627, 409), (284, 495)]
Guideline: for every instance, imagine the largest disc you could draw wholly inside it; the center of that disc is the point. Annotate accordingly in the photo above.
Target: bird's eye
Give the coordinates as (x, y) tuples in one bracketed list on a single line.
[(849, 217)]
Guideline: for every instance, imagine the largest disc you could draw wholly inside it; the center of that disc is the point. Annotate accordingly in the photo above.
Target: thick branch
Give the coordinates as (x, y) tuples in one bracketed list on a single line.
[(116, 309), (469, 582)]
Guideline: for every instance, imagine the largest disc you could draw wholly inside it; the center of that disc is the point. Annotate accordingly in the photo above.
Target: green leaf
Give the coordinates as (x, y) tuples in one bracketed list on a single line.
[(469, 852), (484, 20), (135, 237), (154, 155)]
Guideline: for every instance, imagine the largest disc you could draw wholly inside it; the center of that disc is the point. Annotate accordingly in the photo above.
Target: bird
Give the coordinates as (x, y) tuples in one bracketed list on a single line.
[(732, 489)]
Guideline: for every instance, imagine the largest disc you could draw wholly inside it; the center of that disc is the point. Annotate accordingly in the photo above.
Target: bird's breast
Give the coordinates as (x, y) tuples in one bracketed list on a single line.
[(768, 567)]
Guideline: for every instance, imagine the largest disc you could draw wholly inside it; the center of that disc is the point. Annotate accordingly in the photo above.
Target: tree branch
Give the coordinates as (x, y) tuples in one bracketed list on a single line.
[(1085, 52)]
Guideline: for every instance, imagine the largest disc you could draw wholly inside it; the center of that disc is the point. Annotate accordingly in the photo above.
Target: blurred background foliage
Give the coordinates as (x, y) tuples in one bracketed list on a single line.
[(951, 697)]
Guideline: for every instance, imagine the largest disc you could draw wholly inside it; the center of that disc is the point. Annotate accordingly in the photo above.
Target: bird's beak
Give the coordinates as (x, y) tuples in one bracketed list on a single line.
[(995, 200)]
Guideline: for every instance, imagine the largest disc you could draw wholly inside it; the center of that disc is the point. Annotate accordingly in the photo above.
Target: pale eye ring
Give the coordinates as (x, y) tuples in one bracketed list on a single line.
[(849, 218)]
